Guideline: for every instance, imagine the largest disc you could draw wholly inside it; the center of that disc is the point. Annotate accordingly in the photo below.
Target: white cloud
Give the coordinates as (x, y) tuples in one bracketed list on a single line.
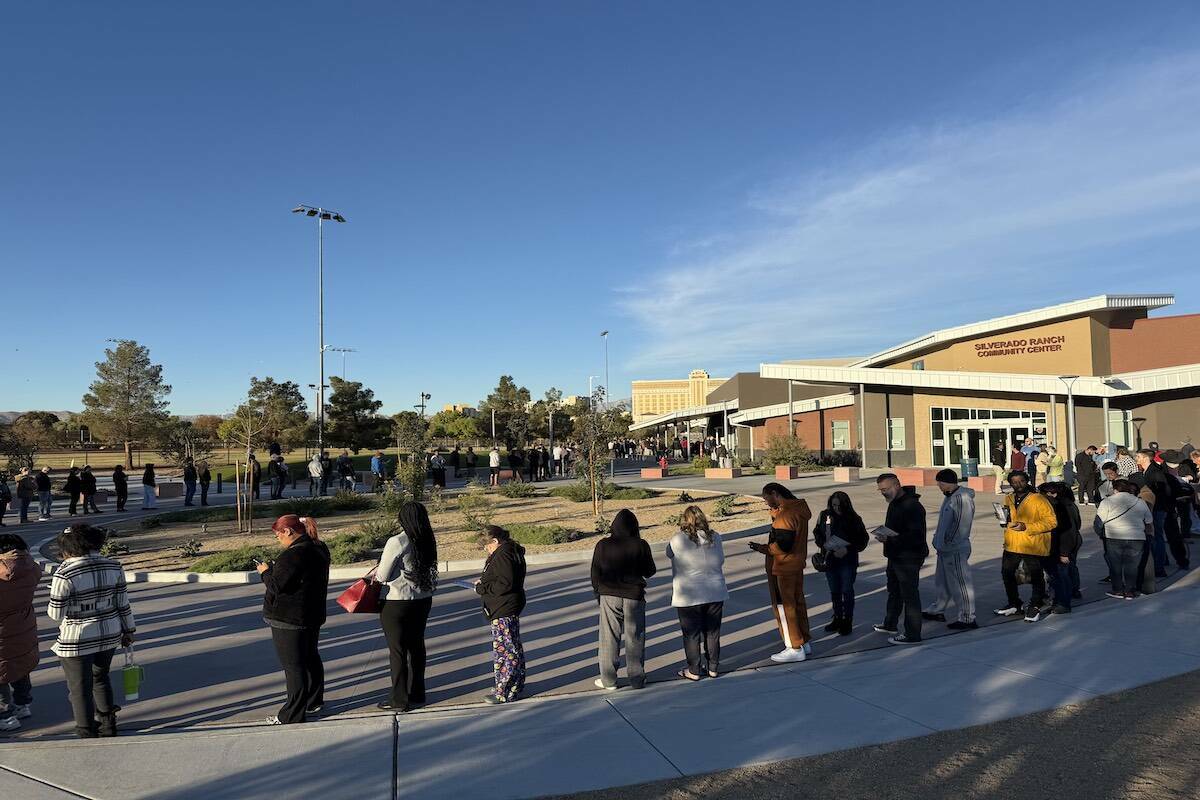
[(939, 226)]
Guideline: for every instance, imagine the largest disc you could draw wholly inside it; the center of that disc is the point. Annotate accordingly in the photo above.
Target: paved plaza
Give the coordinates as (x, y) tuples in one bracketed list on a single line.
[(212, 677)]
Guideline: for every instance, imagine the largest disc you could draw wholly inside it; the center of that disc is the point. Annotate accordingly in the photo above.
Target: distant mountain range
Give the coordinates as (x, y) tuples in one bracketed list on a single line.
[(8, 416)]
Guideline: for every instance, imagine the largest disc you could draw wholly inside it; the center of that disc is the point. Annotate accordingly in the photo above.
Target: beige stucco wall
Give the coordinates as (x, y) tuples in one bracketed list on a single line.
[(1035, 350)]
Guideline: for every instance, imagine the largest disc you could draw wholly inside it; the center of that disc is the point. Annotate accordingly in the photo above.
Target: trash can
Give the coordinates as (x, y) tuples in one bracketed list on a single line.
[(969, 467)]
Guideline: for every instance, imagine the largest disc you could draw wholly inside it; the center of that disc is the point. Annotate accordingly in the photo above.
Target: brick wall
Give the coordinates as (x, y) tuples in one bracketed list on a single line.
[(1154, 343), (812, 427)]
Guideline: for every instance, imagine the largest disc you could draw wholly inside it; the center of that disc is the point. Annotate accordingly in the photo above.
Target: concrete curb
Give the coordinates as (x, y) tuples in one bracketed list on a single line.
[(50, 566)]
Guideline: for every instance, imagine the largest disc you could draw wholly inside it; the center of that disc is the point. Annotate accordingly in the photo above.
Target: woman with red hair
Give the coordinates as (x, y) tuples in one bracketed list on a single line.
[(297, 583)]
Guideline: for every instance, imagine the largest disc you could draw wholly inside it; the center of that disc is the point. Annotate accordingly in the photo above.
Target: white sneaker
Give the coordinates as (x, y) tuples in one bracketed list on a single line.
[(789, 655), (23, 712), (273, 721), (599, 684), (808, 648), (43, 519), (9, 724)]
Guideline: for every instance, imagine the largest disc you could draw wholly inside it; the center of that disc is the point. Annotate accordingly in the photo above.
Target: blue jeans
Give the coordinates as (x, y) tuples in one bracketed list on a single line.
[(44, 503), (25, 501), (1061, 584), (1158, 547), (17, 693), (840, 574), (189, 492)]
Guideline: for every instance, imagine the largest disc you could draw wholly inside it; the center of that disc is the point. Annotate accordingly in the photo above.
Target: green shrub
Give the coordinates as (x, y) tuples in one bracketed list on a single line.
[(603, 525), (191, 548), (112, 547), (476, 507), (214, 514), (350, 548), (724, 506), (578, 492), (702, 462), (391, 499), (350, 501), (629, 493), (411, 475), (673, 520), (540, 534), (239, 560), (376, 531), (785, 451), (435, 500), (515, 489), (684, 497)]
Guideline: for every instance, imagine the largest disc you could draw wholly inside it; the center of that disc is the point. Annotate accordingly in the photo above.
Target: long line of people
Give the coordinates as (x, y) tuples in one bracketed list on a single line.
[(1041, 543)]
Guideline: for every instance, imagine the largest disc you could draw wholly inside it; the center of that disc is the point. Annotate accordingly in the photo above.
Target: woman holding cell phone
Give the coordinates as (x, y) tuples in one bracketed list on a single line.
[(297, 583)]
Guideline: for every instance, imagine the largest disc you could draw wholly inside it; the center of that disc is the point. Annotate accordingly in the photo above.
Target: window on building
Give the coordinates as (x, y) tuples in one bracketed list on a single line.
[(919, 365), (960, 413), (839, 434), (895, 433)]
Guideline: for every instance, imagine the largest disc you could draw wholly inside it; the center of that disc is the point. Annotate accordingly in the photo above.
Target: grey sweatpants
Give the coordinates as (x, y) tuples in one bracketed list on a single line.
[(617, 615), (952, 579)]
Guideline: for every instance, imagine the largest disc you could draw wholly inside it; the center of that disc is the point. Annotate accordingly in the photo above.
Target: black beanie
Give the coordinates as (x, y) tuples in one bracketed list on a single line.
[(947, 476)]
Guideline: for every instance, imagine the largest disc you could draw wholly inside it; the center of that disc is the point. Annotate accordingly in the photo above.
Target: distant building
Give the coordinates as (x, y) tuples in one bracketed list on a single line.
[(573, 400), (461, 408), (651, 398)]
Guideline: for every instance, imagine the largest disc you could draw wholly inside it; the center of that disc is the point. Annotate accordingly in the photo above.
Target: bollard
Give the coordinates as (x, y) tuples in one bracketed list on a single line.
[(218, 483)]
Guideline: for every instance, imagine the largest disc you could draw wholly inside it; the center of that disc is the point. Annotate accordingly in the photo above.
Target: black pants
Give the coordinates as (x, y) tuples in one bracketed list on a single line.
[(701, 626), (254, 489), (1175, 540), (302, 669), (203, 494), (403, 624), (89, 502), (904, 596), (1008, 574), (1089, 489), (90, 688), (122, 497), (73, 506)]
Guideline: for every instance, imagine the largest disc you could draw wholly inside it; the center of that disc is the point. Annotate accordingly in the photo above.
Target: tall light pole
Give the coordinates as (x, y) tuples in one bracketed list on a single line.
[(1069, 381), (321, 214), (425, 396), (343, 351), (612, 464)]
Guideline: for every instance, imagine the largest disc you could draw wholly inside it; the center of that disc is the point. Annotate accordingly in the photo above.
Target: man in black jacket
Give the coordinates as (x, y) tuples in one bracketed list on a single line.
[(1166, 521), (501, 587), (189, 481), (297, 583), (87, 488), (905, 547), (1088, 476), (621, 563)]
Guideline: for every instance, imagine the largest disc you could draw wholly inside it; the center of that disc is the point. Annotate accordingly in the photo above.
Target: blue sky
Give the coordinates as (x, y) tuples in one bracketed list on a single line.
[(718, 184)]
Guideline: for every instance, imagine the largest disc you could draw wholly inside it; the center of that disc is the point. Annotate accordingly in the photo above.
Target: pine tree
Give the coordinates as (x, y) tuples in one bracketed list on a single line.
[(353, 417), (127, 401)]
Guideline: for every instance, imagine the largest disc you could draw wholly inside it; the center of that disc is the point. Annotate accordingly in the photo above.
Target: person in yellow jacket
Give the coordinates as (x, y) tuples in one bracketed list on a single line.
[(1031, 518)]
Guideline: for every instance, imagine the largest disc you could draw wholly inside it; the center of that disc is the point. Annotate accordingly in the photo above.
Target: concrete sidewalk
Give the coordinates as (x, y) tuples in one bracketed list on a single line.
[(593, 740)]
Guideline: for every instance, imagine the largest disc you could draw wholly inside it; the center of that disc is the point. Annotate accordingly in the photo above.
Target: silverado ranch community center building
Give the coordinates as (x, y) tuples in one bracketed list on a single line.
[(1091, 371)]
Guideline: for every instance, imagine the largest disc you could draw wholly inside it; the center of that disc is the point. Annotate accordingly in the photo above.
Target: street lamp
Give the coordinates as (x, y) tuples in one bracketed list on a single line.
[(612, 464), (424, 397), (1137, 424), (343, 351), (321, 214), (1069, 381)]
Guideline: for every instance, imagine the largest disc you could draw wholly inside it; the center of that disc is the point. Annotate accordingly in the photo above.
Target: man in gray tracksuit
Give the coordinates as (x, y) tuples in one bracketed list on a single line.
[(952, 541)]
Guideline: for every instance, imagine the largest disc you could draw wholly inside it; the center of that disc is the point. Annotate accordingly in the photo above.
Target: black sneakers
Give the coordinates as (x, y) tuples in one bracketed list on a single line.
[(933, 617), (1033, 613), (959, 625)]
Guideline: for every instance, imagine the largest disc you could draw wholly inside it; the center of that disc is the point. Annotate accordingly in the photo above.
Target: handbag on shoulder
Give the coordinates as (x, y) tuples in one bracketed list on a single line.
[(362, 596)]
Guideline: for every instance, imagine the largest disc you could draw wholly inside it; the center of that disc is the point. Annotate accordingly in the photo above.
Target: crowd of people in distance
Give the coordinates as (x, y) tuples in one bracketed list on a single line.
[(1141, 514), (81, 490)]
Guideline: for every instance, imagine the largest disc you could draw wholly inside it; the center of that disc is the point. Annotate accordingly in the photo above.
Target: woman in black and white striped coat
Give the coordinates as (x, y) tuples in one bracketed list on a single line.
[(88, 600)]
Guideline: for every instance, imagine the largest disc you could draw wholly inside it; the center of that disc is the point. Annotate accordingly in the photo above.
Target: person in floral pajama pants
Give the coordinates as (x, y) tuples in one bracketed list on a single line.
[(501, 587), (508, 658)]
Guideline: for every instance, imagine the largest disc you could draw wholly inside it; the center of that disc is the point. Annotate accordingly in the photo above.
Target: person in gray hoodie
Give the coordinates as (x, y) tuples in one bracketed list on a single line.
[(408, 571), (952, 541)]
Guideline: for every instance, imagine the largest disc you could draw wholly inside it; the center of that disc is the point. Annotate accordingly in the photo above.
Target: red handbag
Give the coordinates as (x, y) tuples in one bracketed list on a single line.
[(362, 596)]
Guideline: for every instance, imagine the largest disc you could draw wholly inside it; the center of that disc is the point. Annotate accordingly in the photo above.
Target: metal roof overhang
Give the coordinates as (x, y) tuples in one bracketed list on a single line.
[(797, 407), (695, 412), (1129, 383)]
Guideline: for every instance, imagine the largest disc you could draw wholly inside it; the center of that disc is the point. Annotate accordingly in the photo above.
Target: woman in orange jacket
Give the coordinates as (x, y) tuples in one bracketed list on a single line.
[(786, 551)]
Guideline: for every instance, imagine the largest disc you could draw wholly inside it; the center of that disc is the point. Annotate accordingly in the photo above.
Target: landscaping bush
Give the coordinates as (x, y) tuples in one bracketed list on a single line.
[(435, 500), (349, 501), (684, 497), (724, 506), (476, 507), (628, 493), (577, 492), (191, 548), (349, 548), (785, 451), (702, 462), (540, 534), (377, 531), (239, 560), (603, 525), (514, 489), (112, 547), (391, 499)]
